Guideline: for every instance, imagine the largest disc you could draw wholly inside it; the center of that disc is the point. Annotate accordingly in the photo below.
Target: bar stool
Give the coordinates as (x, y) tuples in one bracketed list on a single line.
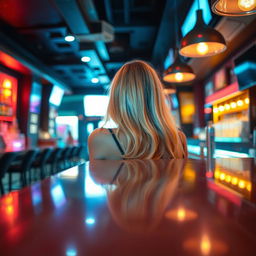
[(41, 161), (22, 168), (65, 157), (54, 160), (5, 162)]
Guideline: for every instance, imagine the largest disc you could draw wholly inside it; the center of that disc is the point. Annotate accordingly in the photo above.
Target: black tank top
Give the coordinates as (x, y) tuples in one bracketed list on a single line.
[(116, 141)]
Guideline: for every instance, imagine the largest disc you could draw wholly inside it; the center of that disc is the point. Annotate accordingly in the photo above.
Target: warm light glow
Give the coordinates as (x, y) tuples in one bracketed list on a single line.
[(7, 93), (181, 214), (7, 84), (222, 176), (241, 184), (247, 101), (205, 245), (246, 5), (202, 48), (249, 187), (69, 38), (221, 108), (85, 59), (239, 103), (227, 106), (216, 174), (233, 105), (215, 110), (234, 181), (228, 178), (179, 76)]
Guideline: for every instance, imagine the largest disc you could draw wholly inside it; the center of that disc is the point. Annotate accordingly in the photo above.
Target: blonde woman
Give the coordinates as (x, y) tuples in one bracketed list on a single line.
[(145, 126)]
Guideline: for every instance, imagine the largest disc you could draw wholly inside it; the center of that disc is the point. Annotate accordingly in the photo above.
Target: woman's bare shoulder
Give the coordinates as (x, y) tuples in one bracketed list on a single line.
[(98, 133)]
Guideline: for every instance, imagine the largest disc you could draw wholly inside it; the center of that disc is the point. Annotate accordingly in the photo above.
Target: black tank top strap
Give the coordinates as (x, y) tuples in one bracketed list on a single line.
[(116, 141), (117, 173)]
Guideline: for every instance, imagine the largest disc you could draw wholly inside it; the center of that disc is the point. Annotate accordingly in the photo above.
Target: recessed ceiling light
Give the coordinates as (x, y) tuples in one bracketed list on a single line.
[(85, 59), (95, 80), (69, 38)]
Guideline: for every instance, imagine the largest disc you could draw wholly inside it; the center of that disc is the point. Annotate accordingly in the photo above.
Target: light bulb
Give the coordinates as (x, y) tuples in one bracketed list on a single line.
[(227, 106), (233, 105), (179, 76), (202, 48), (205, 245), (7, 84), (240, 103), (221, 108), (247, 101), (85, 59), (246, 5), (181, 214)]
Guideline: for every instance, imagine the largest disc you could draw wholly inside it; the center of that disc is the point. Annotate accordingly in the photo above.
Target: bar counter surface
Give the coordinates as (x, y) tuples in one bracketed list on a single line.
[(135, 207)]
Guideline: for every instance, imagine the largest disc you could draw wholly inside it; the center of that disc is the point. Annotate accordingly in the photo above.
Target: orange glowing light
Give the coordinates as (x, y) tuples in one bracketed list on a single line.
[(249, 187), (233, 105), (221, 108), (205, 245), (246, 5), (239, 103), (7, 84), (227, 106), (234, 181), (202, 48), (247, 101), (222, 176), (179, 76), (7, 93), (216, 174), (181, 214), (228, 178), (241, 184)]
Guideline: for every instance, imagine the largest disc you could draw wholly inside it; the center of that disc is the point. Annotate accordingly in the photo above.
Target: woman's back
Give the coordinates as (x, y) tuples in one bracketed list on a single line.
[(145, 126)]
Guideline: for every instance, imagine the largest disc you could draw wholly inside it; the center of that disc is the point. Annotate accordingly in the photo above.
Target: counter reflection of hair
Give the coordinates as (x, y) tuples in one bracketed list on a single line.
[(142, 192)]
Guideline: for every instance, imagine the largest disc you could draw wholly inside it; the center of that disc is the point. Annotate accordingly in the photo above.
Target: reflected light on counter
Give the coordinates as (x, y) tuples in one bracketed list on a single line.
[(58, 195), (181, 214), (90, 221), (233, 105), (71, 173), (247, 101), (202, 48), (71, 252), (205, 245)]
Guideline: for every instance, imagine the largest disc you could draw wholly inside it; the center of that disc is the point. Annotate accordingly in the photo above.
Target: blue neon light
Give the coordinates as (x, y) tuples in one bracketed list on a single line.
[(90, 221), (190, 20)]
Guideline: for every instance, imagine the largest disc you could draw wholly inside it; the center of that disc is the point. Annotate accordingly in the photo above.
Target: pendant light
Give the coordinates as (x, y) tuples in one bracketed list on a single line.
[(202, 40), (179, 71), (234, 7)]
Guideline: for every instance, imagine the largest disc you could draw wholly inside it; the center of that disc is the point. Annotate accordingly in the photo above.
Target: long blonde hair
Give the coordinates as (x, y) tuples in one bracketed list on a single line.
[(137, 105)]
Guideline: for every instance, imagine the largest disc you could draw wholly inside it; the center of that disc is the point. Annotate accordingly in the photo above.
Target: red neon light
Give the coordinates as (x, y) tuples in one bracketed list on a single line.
[(207, 110), (222, 93)]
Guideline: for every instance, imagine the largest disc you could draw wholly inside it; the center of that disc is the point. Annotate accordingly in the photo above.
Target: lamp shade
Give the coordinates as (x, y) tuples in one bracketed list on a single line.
[(202, 40), (179, 71), (234, 7)]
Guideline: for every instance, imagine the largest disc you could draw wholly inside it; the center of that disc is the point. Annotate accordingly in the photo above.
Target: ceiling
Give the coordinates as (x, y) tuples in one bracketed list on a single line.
[(143, 29)]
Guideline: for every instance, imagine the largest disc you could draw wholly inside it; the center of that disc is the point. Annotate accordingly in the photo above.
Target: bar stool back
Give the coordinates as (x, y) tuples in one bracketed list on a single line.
[(54, 160), (5, 162), (23, 167)]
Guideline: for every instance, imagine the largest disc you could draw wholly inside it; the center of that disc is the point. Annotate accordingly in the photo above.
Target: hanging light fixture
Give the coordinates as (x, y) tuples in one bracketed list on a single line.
[(179, 71), (202, 40), (234, 7)]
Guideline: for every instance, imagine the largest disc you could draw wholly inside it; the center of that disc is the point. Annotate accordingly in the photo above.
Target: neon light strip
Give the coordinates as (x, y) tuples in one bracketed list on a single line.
[(222, 93), (192, 149)]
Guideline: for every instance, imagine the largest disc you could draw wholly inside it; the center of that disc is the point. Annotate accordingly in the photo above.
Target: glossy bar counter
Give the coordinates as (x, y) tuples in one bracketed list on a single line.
[(135, 207)]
